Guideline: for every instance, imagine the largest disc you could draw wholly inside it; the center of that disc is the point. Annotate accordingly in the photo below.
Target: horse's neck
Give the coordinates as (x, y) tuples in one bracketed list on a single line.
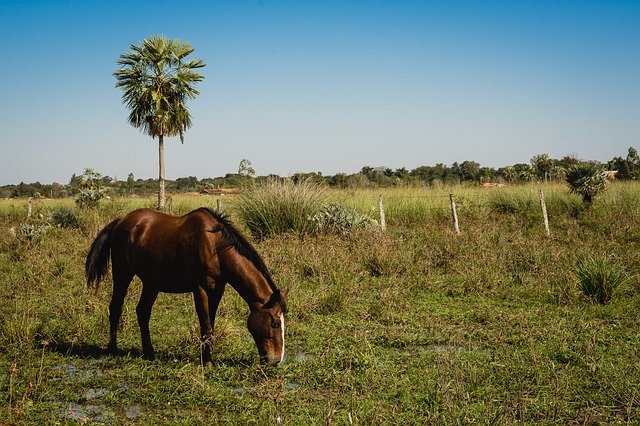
[(249, 282)]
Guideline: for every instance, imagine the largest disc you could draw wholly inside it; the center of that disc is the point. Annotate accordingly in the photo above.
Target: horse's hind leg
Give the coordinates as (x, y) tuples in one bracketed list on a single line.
[(121, 283), (143, 310)]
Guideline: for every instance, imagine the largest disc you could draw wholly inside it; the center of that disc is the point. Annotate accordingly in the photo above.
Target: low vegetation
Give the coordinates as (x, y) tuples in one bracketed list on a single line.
[(414, 325)]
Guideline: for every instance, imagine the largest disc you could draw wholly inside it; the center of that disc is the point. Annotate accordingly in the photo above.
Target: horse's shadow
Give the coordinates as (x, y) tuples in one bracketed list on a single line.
[(88, 350), (92, 351)]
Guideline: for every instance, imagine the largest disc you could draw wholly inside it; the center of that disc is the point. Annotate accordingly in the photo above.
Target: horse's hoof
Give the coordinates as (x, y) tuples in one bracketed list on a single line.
[(208, 364)]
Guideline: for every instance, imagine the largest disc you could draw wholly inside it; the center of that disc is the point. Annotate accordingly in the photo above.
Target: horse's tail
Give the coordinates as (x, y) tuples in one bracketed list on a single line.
[(97, 261)]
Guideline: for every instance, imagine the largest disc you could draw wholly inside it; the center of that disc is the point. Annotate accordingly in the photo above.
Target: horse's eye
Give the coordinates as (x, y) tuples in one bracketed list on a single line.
[(275, 324)]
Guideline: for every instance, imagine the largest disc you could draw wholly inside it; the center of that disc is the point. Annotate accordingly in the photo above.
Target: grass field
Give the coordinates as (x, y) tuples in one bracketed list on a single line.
[(416, 325)]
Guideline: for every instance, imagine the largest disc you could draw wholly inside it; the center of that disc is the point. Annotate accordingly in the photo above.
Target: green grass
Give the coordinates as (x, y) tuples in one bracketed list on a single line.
[(412, 326)]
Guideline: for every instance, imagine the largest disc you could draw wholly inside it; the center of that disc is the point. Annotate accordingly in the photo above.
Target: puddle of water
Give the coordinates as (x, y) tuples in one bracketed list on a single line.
[(291, 385), (132, 413), (94, 393), (74, 373), (301, 357), (86, 413)]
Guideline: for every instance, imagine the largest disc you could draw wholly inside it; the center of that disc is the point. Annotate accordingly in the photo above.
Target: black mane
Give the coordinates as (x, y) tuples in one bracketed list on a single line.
[(232, 238)]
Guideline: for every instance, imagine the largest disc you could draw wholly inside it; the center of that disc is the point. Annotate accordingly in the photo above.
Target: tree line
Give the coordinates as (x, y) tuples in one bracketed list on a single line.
[(157, 78), (541, 168)]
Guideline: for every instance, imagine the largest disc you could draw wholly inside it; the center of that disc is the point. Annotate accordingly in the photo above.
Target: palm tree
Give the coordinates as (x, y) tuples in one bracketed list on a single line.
[(156, 80), (587, 180), (543, 163)]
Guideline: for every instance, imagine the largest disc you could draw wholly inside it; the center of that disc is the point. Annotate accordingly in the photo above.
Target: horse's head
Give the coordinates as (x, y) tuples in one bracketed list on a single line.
[(266, 325)]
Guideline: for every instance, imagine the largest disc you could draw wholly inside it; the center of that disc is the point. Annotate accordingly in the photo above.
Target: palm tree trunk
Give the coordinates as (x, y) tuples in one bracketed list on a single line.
[(161, 174)]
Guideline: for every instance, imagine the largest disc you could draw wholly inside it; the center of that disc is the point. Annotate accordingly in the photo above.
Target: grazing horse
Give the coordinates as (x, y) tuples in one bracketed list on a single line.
[(199, 253)]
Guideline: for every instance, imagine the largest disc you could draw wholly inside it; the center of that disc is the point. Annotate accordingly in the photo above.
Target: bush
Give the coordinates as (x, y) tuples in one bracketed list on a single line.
[(599, 277), (338, 219), (279, 206), (34, 231), (65, 217), (89, 197)]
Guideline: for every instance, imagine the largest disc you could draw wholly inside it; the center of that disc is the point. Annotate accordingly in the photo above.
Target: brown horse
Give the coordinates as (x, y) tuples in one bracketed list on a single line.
[(199, 252)]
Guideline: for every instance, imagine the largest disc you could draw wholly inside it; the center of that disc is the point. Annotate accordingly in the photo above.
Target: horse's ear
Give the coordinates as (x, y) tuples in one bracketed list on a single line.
[(284, 293)]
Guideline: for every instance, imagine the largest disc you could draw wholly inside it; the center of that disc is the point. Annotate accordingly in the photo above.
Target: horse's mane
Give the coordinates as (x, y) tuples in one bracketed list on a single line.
[(232, 238)]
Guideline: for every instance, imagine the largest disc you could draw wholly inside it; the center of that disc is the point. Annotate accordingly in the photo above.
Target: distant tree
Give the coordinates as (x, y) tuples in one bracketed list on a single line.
[(509, 173), (245, 168), (401, 173), (542, 165), (338, 180), (316, 178), (186, 183), (130, 183), (587, 180), (469, 171), (633, 159), (558, 173), (627, 168), (567, 161), (156, 80)]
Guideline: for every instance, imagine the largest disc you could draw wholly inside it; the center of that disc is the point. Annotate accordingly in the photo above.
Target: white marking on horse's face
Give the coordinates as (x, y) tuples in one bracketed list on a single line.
[(282, 331)]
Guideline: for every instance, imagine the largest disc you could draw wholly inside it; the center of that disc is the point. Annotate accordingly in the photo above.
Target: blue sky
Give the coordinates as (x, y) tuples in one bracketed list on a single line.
[(326, 86)]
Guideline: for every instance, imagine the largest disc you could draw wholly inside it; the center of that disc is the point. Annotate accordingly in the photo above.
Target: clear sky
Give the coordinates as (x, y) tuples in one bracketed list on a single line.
[(329, 86)]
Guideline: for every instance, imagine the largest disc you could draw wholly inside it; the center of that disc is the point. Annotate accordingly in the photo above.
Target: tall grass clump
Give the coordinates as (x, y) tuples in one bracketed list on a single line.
[(280, 206), (599, 277), (513, 202)]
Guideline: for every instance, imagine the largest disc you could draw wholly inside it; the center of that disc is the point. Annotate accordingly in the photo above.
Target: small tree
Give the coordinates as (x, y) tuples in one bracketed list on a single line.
[(587, 180)]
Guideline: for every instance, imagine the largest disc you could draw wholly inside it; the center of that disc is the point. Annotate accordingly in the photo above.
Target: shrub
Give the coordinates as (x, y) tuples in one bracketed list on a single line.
[(338, 219), (599, 277), (279, 206), (65, 217), (33, 231), (89, 197)]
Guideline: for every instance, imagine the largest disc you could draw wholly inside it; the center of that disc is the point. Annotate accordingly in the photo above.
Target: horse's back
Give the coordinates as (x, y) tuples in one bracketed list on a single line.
[(168, 252)]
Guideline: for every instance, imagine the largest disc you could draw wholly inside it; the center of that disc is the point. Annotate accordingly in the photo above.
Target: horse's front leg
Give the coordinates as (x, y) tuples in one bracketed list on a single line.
[(143, 311), (201, 300), (207, 302)]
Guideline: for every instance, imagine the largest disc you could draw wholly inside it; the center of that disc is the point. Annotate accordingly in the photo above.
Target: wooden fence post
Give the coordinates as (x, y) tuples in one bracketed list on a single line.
[(29, 208), (454, 214), (543, 205), (218, 205), (383, 223)]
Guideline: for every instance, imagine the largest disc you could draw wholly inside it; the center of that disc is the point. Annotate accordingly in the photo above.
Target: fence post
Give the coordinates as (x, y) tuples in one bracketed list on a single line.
[(29, 208), (218, 205), (454, 214), (383, 223), (543, 205)]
